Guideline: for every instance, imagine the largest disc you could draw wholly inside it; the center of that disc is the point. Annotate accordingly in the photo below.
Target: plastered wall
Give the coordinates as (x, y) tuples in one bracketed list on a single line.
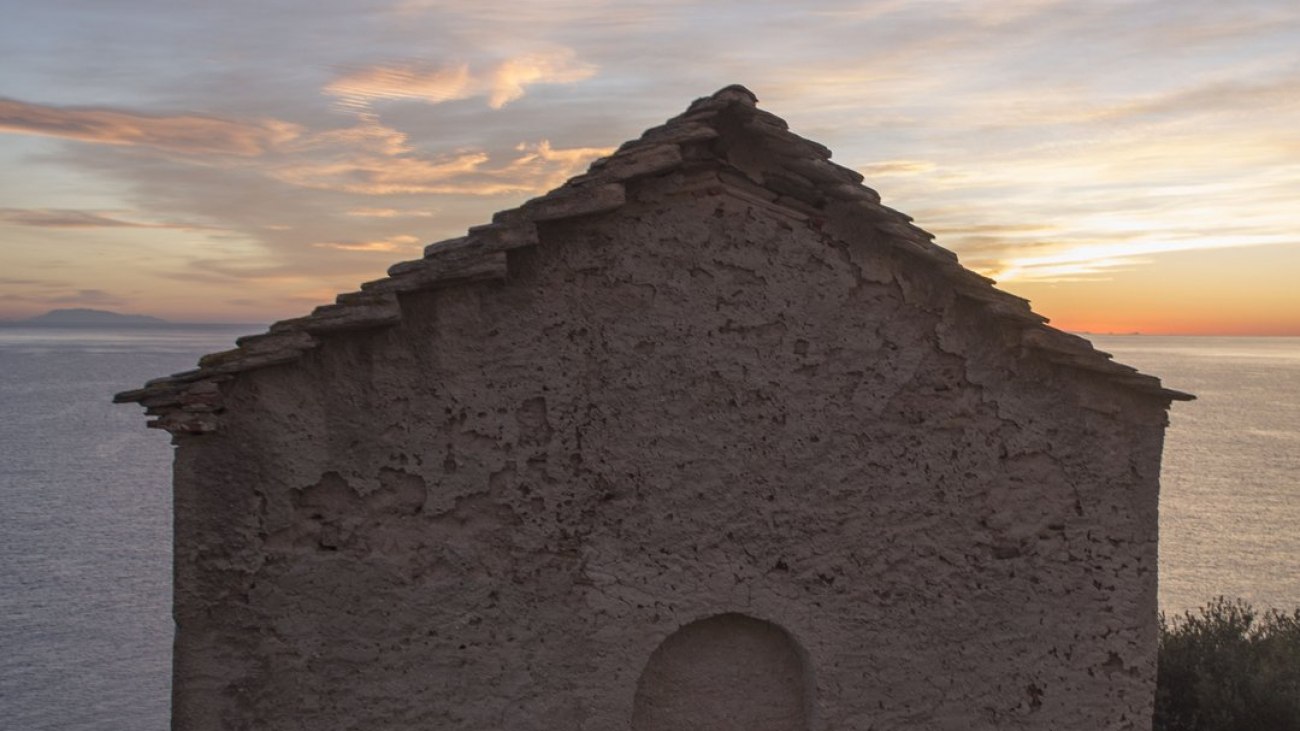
[(492, 515)]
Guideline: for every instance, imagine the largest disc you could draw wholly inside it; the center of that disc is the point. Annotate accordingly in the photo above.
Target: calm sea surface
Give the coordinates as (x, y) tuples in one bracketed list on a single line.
[(85, 527), (1230, 486), (85, 506)]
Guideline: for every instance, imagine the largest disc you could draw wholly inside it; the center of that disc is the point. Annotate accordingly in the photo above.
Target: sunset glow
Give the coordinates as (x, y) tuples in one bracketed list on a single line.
[(1129, 165)]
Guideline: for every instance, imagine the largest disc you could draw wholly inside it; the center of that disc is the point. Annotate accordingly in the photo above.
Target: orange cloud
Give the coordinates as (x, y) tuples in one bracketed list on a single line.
[(186, 133), (387, 213), (1086, 260), (368, 174), (411, 81), (545, 167), (501, 84), (370, 136), (896, 167), (508, 79), (370, 159), (403, 242), (974, 230), (379, 162)]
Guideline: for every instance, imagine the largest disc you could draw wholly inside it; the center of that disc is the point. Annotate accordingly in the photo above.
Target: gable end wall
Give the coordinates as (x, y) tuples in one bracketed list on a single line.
[(491, 514)]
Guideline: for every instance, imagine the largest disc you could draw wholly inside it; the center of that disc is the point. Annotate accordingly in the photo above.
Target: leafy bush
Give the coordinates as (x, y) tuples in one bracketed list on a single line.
[(1229, 668)]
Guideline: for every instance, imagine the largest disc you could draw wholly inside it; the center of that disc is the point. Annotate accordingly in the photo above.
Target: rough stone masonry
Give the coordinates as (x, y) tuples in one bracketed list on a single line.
[(707, 438)]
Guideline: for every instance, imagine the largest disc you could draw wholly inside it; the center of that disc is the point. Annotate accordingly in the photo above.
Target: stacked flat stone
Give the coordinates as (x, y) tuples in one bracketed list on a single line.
[(797, 182)]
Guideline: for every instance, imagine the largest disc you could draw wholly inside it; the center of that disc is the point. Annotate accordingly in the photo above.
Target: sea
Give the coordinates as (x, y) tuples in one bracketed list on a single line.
[(85, 505)]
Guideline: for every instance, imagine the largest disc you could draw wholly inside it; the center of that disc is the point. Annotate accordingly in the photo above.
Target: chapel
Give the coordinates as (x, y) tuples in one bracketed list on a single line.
[(707, 438)]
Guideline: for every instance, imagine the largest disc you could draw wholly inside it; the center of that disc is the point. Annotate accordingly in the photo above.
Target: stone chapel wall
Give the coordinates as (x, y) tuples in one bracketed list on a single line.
[(493, 515)]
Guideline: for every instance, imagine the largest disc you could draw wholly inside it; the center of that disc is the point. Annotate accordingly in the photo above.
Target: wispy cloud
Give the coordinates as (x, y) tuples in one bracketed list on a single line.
[(1052, 107), (71, 218), (896, 167), (401, 242), (1090, 260), (501, 82), (548, 167), (365, 158), (991, 12), (185, 133), (369, 174), (509, 78), (976, 229), (387, 213), (21, 282), (90, 297), (408, 81), (398, 169)]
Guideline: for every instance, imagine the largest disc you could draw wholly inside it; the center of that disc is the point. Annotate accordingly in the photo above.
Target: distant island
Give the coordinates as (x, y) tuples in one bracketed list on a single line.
[(87, 317)]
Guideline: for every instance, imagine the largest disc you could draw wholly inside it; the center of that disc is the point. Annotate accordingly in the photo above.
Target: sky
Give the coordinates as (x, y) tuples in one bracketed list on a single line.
[(1127, 165)]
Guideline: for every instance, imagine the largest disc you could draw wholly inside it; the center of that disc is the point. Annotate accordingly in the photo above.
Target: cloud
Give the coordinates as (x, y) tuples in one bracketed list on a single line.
[(401, 242), (187, 133), (990, 12), (1078, 258), (15, 282), (896, 167), (1232, 99), (86, 297), (396, 168), (370, 135), (366, 158), (483, 23), (367, 174), (411, 81), (387, 213), (510, 77), (975, 229), (501, 83), (545, 167), (71, 218), (231, 269)]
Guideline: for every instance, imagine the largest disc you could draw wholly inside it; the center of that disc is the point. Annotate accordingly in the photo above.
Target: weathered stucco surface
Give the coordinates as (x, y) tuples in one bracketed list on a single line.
[(880, 509)]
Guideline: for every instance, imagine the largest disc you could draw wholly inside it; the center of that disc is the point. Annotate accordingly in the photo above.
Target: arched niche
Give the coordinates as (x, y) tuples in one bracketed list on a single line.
[(728, 672)]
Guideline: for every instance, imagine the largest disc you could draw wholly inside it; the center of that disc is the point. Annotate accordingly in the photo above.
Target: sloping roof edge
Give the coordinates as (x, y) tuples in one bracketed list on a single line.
[(806, 179)]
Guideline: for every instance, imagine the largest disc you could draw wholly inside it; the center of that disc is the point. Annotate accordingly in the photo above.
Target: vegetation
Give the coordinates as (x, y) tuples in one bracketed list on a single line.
[(1229, 667)]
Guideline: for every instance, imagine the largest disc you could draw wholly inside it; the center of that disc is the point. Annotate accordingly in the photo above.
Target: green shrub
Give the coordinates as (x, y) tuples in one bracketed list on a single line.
[(1229, 668)]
